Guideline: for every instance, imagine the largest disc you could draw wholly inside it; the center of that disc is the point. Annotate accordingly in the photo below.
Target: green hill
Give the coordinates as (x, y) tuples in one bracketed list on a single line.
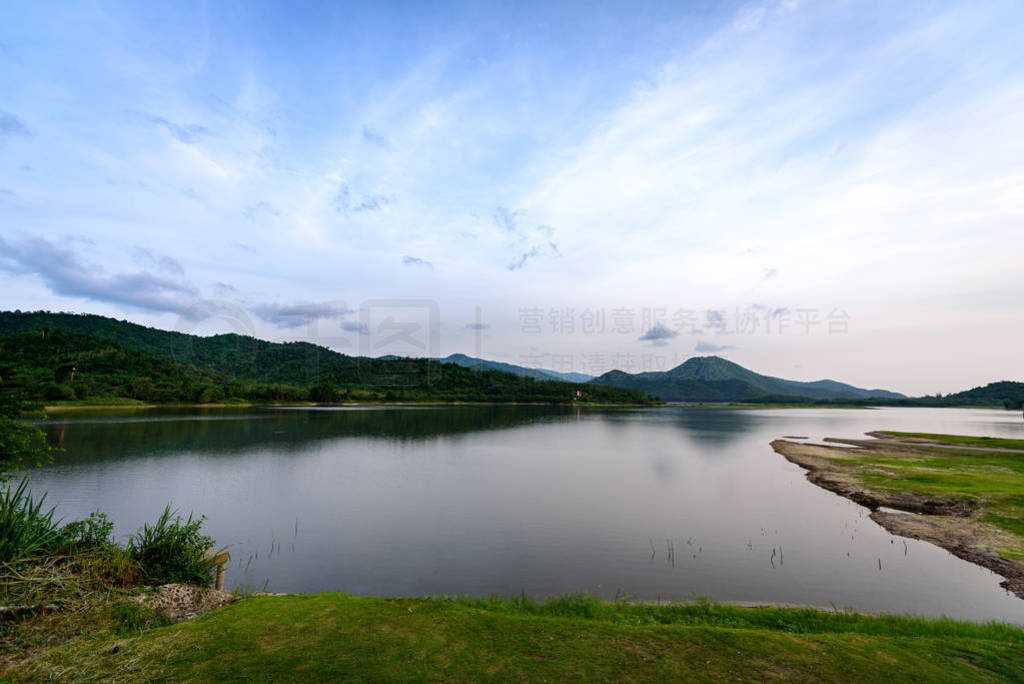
[(1005, 393), (535, 373), (714, 379), (117, 359)]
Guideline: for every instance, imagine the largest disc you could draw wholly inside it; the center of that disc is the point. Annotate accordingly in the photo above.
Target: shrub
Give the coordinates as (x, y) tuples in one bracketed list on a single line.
[(21, 446), (25, 528), (173, 550), (94, 531)]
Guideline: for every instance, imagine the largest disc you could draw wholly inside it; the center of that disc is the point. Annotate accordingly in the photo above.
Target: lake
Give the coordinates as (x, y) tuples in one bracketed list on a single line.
[(665, 503)]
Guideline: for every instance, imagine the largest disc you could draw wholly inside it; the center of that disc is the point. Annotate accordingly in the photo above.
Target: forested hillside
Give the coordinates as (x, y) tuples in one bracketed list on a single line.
[(69, 357)]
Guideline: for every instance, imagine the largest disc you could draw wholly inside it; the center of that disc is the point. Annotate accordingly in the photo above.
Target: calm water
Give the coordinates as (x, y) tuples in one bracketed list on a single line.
[(481, 500)]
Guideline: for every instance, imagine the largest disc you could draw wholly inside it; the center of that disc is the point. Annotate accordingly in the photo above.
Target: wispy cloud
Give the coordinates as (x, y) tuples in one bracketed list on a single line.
[(416, 261), (375, 138), (355, 327), (12, 125), (185, 133), (342, 198), (374, 202), (253, 211), (709, 348), (547, 249), (161, 262), (295, 315), (505, 219), (659, 335)]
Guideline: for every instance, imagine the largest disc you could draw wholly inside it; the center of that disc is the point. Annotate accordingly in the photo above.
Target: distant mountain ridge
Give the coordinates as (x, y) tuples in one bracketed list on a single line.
[(524, 371), (63, 356), (712, 378)]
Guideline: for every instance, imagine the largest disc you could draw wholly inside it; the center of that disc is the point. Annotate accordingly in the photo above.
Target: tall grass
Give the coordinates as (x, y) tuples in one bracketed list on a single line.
[(25, 527), (173, 550)]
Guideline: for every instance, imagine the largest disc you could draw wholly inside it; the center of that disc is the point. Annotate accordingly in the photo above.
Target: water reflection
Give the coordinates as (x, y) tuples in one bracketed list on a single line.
[(111, 435), (656, 503)]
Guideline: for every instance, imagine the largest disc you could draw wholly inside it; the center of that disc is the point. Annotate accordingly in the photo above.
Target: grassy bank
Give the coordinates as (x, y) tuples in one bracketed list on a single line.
[(321, 636), (926, 438), (963, 493)]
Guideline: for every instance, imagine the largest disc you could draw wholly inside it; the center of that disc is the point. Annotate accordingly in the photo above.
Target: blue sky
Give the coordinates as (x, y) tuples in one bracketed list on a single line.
[(813, 189)]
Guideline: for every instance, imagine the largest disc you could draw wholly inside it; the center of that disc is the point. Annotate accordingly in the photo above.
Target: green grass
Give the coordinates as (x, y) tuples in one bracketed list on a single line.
[(963, 440), (335, 636), (990, 483)]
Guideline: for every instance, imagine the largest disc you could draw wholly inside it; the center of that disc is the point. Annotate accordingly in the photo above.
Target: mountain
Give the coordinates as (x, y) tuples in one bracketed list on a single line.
[(70, 356), (711, 378), (535, 373), (1006, 393)]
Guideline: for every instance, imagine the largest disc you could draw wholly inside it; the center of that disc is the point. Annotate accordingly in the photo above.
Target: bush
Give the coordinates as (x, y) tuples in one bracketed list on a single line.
[(173, 550), (55, 392), (94, 531), (21, 446), (26, 529)]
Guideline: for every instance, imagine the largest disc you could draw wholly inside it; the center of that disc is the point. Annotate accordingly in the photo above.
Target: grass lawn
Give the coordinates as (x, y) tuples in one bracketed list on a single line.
[(327, 636)]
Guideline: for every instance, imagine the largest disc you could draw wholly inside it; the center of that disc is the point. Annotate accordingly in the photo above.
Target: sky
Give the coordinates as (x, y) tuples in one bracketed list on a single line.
[(810, 189)]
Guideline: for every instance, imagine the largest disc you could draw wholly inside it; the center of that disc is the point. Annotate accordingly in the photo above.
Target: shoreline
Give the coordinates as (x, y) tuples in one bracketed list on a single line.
[(56, 408), (946, 523)]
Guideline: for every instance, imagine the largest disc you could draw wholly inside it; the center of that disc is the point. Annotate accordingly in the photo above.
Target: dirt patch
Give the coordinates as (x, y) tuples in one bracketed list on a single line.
[(950, 524), (184, 601)]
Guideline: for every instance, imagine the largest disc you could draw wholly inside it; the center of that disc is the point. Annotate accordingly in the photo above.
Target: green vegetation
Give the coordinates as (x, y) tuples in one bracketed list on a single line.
[(64, 596), (21, 445), (335, 636), (964, 440), (173, 550), (965, 494), (988, 484), (1005, 395), (25, 529), (535, 373), (63, 581), (67, 358), (714, 379)]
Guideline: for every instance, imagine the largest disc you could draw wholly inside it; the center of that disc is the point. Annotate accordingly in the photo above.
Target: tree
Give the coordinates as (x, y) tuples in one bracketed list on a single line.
[(21, 445), (324, 393)]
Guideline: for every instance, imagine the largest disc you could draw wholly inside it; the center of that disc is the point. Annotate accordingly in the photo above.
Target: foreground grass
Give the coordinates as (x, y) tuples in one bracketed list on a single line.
[(323, 636)]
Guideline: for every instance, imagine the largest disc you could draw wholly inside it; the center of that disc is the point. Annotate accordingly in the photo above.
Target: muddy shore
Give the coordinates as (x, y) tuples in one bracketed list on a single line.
[(950, 524)]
